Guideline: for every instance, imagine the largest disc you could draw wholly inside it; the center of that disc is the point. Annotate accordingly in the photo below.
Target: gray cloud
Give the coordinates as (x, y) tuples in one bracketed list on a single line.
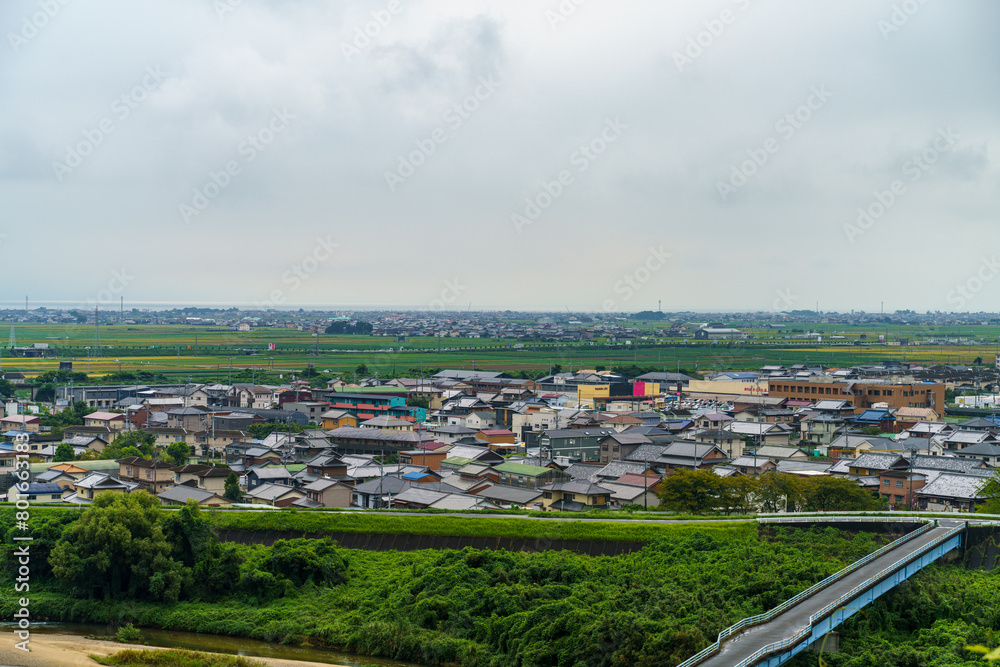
[(356, 118)]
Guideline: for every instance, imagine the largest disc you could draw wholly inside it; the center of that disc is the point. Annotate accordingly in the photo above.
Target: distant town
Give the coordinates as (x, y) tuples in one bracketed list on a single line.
[(913, 434)]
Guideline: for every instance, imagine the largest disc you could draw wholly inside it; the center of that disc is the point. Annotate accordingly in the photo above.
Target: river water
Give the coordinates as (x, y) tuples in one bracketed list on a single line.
[(221, 644)]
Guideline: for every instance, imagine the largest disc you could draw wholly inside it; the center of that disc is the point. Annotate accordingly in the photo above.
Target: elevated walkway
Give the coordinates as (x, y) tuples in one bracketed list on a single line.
[(772, 638)]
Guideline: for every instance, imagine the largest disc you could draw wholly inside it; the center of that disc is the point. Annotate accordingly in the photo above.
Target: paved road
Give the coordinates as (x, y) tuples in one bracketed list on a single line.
[(745, 644)]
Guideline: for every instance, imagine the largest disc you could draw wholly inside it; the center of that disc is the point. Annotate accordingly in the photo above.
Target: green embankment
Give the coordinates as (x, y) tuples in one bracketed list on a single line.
[(521, 528), (471, 607)]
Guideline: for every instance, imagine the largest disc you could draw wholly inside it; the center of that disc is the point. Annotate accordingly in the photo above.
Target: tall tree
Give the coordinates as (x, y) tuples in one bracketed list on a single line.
[(691, 491), (117, 548), (179, 452), (64, 452), (232, 491)]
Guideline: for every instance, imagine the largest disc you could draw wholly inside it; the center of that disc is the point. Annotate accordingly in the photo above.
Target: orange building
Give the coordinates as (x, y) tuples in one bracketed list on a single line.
[(862, 395)]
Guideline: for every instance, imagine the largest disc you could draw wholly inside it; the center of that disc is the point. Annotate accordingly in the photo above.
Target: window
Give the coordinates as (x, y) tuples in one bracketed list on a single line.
[(885, 482), (899, 483), (899, 499)]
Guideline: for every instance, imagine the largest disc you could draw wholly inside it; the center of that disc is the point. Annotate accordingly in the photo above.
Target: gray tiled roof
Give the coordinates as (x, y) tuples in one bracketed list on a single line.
[(583, 471), (509, 494), (616, 469), (576, 486), (963, 487), (647, 453)]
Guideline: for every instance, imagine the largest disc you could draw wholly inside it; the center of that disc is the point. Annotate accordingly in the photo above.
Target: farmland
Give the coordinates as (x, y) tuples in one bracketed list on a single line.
[(201, 353)]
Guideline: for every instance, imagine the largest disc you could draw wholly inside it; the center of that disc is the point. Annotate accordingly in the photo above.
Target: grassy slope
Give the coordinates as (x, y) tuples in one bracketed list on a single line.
[(458, 526), (653, 607)]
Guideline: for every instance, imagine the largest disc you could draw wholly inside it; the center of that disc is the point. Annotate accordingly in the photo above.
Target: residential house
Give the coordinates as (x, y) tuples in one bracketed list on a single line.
[(256, 396), (258, 476), (777, 453), (731, 443), (630, 489), (574, 444), (336, 418), (329, 493), (753, 465), (36, 492), (481, 420), (987, 452), (682, 454), (821, 429), (498, 438), (112, 421), (622, 422), (764, 433), (153, 476), (180, 495), (898, 487), (96, 483), (387, 423), (92, 442), (189, 419), (22, 423), (275, 495), (712, 420), (429, 458), (574, 496), (880, 418), (313, 410), (509, 496), (524, 476), (951, 492), (617, 446), (959, 440)]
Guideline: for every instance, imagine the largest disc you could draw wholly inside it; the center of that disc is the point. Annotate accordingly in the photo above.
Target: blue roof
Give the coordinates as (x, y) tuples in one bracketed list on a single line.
[(414, 475), (872, 416), (36, 488), (14, 434), (742, 376)]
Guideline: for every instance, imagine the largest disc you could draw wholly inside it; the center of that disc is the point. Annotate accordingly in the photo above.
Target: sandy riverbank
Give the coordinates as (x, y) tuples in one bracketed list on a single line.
[(55, 650)]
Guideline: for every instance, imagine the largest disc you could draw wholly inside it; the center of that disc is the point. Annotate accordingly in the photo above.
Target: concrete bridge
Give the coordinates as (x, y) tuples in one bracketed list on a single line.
[(772, 638)]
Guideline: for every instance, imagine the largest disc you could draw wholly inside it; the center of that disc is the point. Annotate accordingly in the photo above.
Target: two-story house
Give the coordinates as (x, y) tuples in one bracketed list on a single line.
[(574, 496)]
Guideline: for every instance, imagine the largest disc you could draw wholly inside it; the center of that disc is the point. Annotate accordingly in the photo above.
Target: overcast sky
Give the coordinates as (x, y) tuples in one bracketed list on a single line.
[(528, 155)]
